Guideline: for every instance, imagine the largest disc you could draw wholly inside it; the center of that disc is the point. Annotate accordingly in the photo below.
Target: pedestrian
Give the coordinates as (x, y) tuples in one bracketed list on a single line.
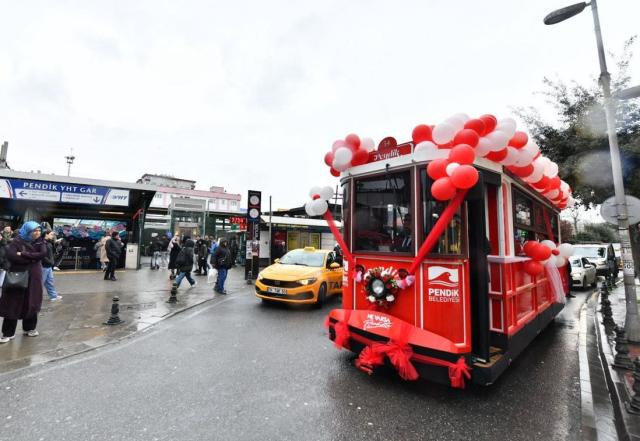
[(22, 295), (47, 266), (174, 249), (164, 251), (104, 259), (156, 248), (184, 263), (203, 253), (114, 248), (233, 249), (222, 262), (5, 238), (62, 248)]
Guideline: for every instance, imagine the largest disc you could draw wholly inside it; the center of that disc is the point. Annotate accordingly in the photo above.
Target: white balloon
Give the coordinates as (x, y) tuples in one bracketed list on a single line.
[(451, 167), (566, 249), (512, 156), (368, 144), (456, 123), (424, 151), (507, 125), (308, 207), (560, 261), (314, 191), (523, 159), (342, 157), (326, 193), (483, 148), (531, 148), (320, 206), (462, 116), (564, 187), (551, 169), (499, 140), (443, 133), (571, 201), (549, 243), (340, 167)]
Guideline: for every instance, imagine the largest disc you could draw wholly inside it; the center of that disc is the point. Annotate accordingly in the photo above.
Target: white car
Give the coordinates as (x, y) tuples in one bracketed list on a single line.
[(583, 272)]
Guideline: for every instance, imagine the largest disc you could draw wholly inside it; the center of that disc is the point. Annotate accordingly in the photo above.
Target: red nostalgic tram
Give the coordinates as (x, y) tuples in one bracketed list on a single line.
[(452, 260)]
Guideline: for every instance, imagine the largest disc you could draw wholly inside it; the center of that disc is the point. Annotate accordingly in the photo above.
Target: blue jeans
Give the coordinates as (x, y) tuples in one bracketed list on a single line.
[(184, 274), (222, 276), (47, 278)]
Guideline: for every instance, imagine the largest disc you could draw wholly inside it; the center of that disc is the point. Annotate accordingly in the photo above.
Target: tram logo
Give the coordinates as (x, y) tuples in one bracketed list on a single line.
[(443, 284), (377, 321)]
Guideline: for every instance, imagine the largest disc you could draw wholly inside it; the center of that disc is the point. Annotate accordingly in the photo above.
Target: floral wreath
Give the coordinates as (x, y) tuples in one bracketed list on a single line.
[(381, 285)]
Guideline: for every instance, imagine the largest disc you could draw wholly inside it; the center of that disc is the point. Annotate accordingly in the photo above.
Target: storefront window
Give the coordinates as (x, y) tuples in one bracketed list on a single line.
[(451, 242), (383, 213)]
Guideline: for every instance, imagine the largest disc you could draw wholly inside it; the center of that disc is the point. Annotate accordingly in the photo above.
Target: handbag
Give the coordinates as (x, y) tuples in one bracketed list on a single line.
[(16, 280)]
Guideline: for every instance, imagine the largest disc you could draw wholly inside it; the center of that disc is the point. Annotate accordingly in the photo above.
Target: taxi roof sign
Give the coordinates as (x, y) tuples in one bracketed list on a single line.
[(309, 248)]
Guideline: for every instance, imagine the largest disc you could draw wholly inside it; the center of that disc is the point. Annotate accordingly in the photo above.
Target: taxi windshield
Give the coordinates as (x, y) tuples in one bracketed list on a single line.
[(304, 258)]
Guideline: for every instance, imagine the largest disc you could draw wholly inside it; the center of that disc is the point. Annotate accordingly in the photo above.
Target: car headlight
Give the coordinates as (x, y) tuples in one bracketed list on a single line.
[(377, 286), (260, 276), (307, 281)]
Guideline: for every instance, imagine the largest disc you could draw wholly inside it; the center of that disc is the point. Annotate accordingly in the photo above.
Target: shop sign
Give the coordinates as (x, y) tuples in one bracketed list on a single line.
[(389, 149), (59, 192)]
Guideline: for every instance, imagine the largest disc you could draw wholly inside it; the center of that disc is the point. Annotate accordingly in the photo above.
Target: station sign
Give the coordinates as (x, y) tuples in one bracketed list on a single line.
[(23, 189)]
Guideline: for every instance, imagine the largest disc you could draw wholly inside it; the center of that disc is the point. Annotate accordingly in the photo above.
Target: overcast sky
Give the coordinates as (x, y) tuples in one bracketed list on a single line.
[(252, 94)]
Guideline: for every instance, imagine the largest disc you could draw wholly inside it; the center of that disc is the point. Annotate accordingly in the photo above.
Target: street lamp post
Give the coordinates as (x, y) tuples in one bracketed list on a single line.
[(632, 325), (70, 160)]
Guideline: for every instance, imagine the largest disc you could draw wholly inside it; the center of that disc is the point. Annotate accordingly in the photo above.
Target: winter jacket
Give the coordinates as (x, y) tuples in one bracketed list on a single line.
[(103, 250), (156, 246), (222, 258), (17, 303), (114, 248), (184, 261), (48, 260)]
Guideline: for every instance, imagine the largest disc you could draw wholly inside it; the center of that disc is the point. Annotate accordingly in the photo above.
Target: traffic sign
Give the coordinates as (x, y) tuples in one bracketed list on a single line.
[(609, 211)]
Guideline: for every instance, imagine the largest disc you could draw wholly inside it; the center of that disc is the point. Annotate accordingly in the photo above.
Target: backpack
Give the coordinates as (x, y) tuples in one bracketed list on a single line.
[(181, 259)]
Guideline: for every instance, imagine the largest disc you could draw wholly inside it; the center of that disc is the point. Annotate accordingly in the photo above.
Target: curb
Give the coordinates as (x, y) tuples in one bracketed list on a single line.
[(615, 383), (86, 349)]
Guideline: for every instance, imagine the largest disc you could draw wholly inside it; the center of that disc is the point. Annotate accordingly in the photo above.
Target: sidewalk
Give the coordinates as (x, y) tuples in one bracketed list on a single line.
[(75, 323), (618, 382)]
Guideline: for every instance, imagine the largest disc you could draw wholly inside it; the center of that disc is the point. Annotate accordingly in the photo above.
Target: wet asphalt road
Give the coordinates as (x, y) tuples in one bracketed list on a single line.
[(234, 369)]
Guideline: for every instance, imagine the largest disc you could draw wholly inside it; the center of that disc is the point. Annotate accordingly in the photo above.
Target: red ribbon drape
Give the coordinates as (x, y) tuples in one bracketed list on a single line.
[(399, 355), (338, 236)]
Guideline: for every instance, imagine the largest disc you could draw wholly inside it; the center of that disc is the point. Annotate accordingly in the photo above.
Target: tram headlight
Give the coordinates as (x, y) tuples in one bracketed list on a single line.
[(377, 286)]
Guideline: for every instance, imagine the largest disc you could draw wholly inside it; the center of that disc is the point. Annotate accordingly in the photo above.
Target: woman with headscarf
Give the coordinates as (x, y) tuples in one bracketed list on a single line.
[(24, 253)]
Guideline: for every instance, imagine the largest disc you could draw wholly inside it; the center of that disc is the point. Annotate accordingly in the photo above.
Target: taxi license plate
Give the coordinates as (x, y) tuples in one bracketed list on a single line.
[(281, 291)]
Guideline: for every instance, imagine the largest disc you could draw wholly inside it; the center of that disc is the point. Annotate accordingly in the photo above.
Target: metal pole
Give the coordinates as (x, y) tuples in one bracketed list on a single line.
[(632, 325), (270, 232)]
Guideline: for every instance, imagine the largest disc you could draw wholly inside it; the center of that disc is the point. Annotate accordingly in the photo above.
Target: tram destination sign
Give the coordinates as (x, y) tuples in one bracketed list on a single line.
[(46, 191), (389, 149)]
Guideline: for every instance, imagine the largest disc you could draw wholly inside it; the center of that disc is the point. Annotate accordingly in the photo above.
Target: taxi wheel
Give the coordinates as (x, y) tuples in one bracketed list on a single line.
[(322, 296)]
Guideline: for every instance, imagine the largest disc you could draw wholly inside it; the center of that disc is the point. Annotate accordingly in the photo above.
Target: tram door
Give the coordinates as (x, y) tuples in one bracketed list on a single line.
[(479, 248)]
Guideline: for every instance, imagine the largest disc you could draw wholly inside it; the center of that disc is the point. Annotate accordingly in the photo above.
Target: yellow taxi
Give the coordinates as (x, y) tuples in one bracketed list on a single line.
[(305, 275)]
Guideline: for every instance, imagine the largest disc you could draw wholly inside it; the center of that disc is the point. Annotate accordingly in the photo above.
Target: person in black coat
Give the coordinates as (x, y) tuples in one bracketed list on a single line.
[(174, 249), (24, 253), (184, 262), (222, 262), (114, 249)]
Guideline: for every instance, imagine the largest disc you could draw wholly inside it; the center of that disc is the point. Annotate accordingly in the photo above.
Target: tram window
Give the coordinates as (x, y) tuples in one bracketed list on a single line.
[(523, 209), (532, 221), (346, 211), (451, 242), (383, 213)]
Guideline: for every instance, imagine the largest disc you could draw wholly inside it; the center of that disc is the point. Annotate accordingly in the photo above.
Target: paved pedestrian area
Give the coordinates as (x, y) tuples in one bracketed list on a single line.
[(75, 323)]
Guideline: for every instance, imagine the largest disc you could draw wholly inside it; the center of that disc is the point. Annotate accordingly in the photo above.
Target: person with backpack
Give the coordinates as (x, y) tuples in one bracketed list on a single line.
[(184, 263), (47, 266), (222, 262)]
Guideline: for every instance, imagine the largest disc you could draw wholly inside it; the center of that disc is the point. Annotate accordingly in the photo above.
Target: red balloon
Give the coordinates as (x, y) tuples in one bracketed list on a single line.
[(328, 159), (542, 183), (361, 156), (477, 125), (533, 268), (437, 169), (353, 141), (554, 183), (490, 123), (519, 140), (464, 177), (335, 172), (541, 252), (529, 247), (443, 189), (466, 136), (497, 156), (462, 154), (421, 133), (522, 171)]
